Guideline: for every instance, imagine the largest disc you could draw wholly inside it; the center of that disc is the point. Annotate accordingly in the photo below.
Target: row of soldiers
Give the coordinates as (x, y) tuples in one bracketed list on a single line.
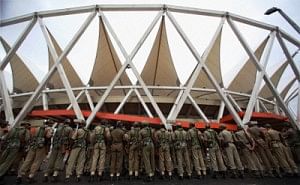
[(262, 151)]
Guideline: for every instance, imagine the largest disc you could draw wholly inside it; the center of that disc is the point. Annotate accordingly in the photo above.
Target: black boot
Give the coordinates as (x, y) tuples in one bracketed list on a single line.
[(214, 175), (54, 179), (19, 180), (100, 178), (78, 179), (233, 174), (30, 180), (45, 179), (180, 177), (241, 174), (67, 180), (162, 177), (170, 177), (111, 178), (92, 178)]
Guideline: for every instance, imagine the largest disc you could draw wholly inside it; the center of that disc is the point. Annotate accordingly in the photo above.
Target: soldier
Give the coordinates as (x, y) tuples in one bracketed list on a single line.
[(16, 139), (3, 133), (77, 155), (292, 138), (245, 144), (117, 151), (196, 138), (38, 147), (134, 150), (234, 161), (180, 138), (164, 139), (60, 146), (278, 150), (262, 149), (210, 138), (146, 136), (98, 139)]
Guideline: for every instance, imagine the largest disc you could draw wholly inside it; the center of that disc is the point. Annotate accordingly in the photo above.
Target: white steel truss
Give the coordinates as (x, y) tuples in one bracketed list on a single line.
[(184, 91)]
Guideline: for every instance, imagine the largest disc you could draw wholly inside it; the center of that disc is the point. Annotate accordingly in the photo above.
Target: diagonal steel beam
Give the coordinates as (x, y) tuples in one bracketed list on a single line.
[(9, 115), (45, 101), (61, 71), (118, 109), (265, 76), (264, 60), (18, 43), (128, 62), (201, 64), (199, 110), (30, 102), (89, 99), (79, 95), (143, 103)]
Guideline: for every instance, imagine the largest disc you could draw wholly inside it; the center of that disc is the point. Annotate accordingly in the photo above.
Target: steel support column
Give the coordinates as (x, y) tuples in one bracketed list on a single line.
[(89, 99), (9, 115), (118, 109), (143, 103), (259, 78), (45, 101), (221, 111), (124, 66), (30, 103), (79, 95), (61, 71), (265, 76), (18, 43), (198, 109)]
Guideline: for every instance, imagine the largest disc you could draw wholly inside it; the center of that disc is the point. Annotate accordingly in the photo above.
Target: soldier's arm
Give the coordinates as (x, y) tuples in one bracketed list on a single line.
[(107, 133)]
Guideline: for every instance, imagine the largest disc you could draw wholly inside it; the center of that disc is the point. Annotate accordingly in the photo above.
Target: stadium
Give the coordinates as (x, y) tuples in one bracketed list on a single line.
[(119, 88)]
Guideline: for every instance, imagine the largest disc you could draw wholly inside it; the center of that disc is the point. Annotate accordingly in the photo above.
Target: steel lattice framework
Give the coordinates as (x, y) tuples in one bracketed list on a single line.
[(185, 91)]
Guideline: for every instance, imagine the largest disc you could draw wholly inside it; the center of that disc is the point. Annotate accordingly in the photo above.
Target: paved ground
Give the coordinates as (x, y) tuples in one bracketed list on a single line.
[(10, 180)]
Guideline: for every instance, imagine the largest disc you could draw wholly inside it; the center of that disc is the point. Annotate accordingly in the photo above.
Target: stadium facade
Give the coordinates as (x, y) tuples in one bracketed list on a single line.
[(158, 93)]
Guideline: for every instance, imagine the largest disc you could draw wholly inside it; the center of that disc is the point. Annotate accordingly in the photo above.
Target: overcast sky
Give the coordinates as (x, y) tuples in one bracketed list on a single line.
[(129, 29)]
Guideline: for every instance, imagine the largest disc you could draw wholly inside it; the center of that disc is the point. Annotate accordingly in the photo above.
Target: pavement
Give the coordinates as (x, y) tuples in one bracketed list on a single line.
[(10, 180)]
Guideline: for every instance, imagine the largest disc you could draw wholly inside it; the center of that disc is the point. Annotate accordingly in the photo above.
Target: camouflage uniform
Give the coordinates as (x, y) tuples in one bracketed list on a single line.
[(117, 151), (98, 138), (132, 137), (146, 137), (164, 138), (279, 151), (234, 161), (211, 141), (262, 149), (16, 139), (245, 144), (60, 146), (38, 147), (196, 137), (180, 138), (77, 155)]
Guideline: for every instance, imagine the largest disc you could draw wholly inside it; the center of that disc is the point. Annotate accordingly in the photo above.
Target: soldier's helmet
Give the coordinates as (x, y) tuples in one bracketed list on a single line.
[(145, 124), (119, 124), (136, 124), (25, 123), (178, 125), (97, 129), (67, 121), (222, 126), (267, 125), (251, 123)]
